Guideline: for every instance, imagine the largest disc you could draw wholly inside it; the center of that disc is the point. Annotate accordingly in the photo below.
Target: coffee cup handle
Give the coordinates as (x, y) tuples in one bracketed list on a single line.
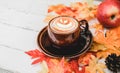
[(84, 26)]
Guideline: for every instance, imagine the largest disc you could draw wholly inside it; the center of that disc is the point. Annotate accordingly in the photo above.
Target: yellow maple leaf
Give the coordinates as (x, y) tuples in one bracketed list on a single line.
[(97, 47), (44, 68), (95, 66)]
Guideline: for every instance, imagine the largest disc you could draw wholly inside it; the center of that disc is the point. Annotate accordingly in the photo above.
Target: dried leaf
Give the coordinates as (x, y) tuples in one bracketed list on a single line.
[(37, 55), (44, 68), (61, 9), (97, 47), (104, 54), (49, 17), (85, 58), (75, 66), (94, 66), (110, 38), (34, 53), (56, 66), (77, 10)]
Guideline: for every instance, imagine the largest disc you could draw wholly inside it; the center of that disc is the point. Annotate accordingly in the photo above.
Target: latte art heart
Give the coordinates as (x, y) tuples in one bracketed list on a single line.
[(64, 25)]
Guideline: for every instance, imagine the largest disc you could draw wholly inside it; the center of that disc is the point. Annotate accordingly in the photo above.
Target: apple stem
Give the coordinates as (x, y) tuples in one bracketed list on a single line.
[(105, 32)]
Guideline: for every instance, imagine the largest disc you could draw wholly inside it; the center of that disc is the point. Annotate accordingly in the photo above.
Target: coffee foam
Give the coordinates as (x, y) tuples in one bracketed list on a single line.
[(64, 25)]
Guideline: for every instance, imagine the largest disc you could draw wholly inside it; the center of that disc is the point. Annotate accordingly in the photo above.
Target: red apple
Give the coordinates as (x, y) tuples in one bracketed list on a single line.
[(108, 13)]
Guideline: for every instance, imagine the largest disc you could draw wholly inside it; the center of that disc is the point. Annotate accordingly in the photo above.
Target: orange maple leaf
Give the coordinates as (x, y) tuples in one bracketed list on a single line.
[(56, 66)]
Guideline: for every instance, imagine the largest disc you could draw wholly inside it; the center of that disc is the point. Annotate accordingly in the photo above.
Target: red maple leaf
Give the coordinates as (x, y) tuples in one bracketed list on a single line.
[(75, 66), (37, 55), (56, 65)]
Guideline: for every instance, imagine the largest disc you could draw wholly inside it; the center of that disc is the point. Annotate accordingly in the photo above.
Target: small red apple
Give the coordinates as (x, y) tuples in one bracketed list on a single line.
[(108, 13)]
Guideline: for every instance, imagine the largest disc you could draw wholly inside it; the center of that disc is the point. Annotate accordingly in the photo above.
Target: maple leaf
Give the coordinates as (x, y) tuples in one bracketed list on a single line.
[(64, 66), (75, 66), (85, 58), (97, 47), (95, 66), (44, 68), (56, 66), (37, 55), (61, 9), (104, 54)]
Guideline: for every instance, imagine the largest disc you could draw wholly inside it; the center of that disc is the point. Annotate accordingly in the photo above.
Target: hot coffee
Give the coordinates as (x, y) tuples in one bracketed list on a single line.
[(64, 25), (64, 30)]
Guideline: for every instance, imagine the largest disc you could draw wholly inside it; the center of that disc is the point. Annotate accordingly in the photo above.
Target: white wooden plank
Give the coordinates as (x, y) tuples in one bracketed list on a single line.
[(23, 5), (17, 38), (17, 61), (13, 17), (27, 6)]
